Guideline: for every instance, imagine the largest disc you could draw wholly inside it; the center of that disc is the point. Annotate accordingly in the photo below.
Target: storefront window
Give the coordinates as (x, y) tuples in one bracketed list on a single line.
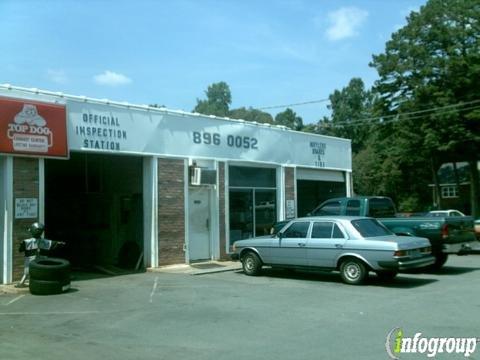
[(265, 211), (241, 176), (252, 199), (241, 214)]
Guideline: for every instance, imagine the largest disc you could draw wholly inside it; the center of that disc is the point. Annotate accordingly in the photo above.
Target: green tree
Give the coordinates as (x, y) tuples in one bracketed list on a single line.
[(350, 107), (251, 114), (218, 100), (289, 119), (431, 67)]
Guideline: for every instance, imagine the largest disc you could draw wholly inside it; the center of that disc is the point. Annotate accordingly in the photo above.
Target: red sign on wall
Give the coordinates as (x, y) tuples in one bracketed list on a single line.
[(33, 128)]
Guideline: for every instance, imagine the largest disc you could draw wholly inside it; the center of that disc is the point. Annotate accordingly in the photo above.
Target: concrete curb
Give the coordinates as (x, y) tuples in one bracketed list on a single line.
[(220, 270), (190, 269)]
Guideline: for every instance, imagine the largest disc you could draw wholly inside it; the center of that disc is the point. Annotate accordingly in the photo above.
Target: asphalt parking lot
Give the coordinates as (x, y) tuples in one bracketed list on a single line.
[(280, 315)]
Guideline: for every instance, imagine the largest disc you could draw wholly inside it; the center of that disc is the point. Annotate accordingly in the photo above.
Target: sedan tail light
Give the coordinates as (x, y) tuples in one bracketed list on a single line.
[(445, 231), (400, 253)]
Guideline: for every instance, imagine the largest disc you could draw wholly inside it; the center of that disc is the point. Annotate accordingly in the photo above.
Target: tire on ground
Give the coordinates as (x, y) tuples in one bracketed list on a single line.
[(353, 271), (440, 260), (45, 287), (251, 263), (50, 269)]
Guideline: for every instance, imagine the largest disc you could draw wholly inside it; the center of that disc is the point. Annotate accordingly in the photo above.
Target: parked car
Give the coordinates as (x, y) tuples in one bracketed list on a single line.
[(444, 213), (447, 234), (352, 245)]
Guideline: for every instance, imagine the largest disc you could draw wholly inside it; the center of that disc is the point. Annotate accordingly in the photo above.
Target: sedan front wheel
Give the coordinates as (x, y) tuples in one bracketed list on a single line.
[(251, 263), (353, 271)]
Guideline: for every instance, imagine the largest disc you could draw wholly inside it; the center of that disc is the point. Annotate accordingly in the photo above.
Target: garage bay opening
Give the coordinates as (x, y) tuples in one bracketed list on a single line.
[(94, 203), (315, 186)]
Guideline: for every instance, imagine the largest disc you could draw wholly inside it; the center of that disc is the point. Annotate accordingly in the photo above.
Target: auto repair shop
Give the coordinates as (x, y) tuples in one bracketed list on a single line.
[(146, 187)]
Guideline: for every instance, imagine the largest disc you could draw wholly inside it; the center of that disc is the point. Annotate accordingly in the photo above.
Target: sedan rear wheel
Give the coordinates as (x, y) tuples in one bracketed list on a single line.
[(252, 265), (353, 271)]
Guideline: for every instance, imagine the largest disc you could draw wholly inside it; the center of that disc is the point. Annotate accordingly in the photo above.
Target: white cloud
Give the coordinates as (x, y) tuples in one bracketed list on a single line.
[(57, 76), (344, 22), (111, 78)]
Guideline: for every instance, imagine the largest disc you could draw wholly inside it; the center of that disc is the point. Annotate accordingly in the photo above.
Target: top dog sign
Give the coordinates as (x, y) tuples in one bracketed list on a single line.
[(33, 128)]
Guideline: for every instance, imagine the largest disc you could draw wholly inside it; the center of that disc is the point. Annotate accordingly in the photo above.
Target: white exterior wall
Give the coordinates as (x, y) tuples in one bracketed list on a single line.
[(100, 126)]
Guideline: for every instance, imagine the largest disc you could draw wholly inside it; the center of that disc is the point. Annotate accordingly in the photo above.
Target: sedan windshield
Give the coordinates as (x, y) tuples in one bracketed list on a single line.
[(370, 228)]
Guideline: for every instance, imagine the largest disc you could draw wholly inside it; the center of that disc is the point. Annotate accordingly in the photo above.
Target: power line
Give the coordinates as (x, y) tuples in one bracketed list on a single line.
[(398, 118), (426, 112), (291, 105)]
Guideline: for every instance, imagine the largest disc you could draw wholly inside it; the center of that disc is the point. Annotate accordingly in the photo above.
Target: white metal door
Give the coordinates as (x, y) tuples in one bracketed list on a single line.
[(199, 224)]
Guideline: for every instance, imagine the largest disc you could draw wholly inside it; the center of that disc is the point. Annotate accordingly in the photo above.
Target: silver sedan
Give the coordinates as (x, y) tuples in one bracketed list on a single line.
[(352, 245)]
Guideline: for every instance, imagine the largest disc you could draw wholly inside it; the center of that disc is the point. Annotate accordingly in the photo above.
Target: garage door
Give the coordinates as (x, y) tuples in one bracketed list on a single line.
[(315, 186)]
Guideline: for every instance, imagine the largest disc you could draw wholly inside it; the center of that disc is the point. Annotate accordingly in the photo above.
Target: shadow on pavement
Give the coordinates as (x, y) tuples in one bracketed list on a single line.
[(446, 270), (400, 282), (92, 273)]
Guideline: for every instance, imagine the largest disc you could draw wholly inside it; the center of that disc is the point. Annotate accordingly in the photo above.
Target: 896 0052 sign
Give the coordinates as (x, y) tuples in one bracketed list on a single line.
[(217, 139)]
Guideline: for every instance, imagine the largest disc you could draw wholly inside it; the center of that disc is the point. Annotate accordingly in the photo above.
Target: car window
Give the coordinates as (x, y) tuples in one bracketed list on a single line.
[(326, 230), (381, 207), (297, 230), (337, 233), (330, 208), (370, 228), (322, 230), (353, 208)]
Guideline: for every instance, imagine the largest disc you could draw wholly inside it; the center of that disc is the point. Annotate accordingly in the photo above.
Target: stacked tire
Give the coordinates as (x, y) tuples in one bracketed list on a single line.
[(49, 276)]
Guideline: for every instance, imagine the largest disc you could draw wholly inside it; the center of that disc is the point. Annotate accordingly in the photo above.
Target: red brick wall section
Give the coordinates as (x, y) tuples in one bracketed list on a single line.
[(289, 185), (221, 208), (171, 211), (25, 185)]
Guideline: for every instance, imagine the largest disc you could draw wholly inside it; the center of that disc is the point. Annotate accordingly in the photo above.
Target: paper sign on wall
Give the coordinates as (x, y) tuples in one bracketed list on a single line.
[(290, 205), (26, 208)]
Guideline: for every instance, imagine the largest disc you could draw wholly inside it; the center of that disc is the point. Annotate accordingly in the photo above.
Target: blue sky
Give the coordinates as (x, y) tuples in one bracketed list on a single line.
[(168, 52)]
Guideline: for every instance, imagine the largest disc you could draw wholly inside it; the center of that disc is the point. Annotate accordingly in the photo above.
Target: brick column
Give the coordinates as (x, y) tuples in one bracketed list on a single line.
[(171, 211), (290, 186), (25, 185)]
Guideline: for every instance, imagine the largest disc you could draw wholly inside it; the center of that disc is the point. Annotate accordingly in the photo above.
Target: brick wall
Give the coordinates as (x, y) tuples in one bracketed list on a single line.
[(221, 208), (25, 185), (289, 185), (171, 211)]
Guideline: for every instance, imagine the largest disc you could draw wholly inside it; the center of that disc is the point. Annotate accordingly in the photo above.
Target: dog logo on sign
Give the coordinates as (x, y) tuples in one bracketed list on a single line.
[(29, 115), (29, 132)]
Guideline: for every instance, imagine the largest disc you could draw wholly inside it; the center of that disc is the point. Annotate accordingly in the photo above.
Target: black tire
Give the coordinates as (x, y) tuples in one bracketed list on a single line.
[(387, 275), (50, 269), (44, 287), (353, 271), (251, 263), (440, 260)]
